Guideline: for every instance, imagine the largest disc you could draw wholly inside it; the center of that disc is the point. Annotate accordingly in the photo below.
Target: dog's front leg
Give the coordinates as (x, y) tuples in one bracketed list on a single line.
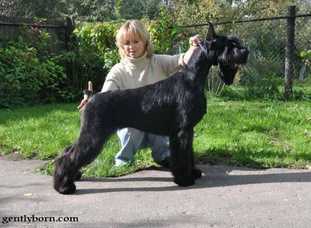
[(182, 157)]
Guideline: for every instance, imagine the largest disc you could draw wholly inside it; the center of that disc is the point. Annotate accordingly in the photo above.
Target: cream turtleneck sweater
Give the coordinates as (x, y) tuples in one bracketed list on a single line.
[(132, 73)]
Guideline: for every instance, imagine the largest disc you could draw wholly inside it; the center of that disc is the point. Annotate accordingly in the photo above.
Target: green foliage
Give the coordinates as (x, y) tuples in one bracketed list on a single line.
[(94, 10), (129, 9), (37, 8), (27, 79), (95, 52), (137, 9), (98, 38), (306, 56), (163, 32), (41, 41), (90, 10), (263, 86), (152, 9), (262, 75), (193, 12)]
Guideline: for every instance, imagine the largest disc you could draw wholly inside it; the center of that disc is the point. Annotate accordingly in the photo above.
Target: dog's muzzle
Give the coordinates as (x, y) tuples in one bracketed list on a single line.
[(240, 56)]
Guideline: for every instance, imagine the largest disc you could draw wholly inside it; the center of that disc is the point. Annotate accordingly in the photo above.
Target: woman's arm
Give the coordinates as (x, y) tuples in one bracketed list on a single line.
[(171, 63), (194, 44)]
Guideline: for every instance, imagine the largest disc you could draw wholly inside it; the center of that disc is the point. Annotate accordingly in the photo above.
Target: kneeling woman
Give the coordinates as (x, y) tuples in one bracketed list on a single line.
[(139, 67)]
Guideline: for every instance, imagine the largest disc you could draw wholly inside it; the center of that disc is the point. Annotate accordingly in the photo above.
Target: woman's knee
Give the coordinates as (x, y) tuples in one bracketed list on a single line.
[(131, 135)]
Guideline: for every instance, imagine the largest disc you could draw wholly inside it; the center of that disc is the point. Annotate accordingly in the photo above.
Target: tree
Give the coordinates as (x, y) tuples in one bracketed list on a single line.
[(152, 8), (7, 8), (95, 10), (88, 9), (129, 9)]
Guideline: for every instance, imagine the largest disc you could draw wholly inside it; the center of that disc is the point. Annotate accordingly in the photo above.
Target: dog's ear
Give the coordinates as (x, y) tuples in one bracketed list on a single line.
[(211, 32)]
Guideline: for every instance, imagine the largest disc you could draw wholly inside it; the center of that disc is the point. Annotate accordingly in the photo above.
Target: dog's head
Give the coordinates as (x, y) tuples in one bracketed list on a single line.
[(227, 52)]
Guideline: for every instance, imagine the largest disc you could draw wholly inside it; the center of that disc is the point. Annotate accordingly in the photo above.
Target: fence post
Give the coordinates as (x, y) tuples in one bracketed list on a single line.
[(69, 27), (289, 52)]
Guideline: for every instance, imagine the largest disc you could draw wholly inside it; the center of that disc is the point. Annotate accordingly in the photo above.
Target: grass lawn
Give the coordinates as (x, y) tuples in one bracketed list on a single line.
[(244, 133)]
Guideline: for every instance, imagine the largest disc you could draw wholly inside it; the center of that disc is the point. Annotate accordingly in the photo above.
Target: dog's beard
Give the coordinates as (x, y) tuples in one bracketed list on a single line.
[(227, 72), (229, 62)]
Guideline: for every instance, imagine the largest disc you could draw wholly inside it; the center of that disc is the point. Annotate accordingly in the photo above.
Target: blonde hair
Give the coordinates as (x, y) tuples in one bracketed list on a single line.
[(136, 28)]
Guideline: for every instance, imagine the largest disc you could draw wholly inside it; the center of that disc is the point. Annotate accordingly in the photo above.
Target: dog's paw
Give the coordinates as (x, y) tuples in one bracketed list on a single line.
[(67, 189), (196, 173), (184, 182)]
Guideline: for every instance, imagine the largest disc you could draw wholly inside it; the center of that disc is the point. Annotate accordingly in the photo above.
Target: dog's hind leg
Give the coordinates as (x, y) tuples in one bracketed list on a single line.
[(83, 152), (182, 157)]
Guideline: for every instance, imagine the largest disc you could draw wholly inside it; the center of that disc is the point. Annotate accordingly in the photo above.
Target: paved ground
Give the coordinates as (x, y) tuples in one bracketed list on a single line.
[(224, 197)]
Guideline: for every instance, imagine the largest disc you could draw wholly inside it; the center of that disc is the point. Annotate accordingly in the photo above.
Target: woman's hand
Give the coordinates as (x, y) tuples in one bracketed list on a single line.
[(87, 94), (83, 103), (195, 40), (194, 43)]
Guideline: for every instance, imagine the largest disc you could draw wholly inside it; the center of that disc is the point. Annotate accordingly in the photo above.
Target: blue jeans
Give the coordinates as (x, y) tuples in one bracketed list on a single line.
[(132, 139)]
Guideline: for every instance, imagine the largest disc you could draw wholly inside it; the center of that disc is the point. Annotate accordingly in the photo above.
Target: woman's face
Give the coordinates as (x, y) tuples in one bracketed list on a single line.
[(133, 46)]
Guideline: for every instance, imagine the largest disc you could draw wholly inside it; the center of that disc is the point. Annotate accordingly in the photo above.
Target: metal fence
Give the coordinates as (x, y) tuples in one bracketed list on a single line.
[(275, 45), (11, 28)]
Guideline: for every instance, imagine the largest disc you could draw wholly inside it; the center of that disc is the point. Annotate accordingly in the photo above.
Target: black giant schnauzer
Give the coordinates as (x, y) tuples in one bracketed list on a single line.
[(170, 107)]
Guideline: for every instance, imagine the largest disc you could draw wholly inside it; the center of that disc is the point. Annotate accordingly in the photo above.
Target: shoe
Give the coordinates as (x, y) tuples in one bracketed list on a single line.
[(119, 163), (165, 163), (118, 168)]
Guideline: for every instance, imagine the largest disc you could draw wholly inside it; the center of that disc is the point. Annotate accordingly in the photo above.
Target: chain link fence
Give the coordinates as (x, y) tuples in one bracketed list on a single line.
[(266, 39)]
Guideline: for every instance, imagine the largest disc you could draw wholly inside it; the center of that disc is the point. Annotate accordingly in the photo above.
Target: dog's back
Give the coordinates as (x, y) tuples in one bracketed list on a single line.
[(142, 108)]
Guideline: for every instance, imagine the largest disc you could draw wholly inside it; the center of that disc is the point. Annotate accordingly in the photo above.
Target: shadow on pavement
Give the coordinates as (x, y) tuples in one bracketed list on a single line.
[(215, 176)]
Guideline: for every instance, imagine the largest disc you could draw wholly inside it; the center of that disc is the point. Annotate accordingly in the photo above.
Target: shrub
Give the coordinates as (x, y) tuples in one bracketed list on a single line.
[(263, 86), (305, 55), (94, 54), (163, 32), (27, 79)]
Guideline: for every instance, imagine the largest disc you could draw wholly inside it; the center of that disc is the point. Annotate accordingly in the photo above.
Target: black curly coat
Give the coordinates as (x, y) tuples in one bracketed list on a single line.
[(170, 107)]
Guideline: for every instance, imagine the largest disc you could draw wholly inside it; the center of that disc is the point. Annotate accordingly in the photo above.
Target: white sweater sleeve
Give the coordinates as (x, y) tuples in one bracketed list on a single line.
[(112, 81), (169, 63)]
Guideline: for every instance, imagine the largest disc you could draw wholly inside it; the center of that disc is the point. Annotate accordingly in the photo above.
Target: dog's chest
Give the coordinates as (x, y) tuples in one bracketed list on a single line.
[(194, 107)]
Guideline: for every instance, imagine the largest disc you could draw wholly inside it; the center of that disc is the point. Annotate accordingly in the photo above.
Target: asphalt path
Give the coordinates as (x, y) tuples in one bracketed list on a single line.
[(223, 197)]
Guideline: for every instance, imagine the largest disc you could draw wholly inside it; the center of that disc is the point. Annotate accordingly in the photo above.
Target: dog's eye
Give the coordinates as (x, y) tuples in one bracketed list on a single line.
[(235, 44)]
